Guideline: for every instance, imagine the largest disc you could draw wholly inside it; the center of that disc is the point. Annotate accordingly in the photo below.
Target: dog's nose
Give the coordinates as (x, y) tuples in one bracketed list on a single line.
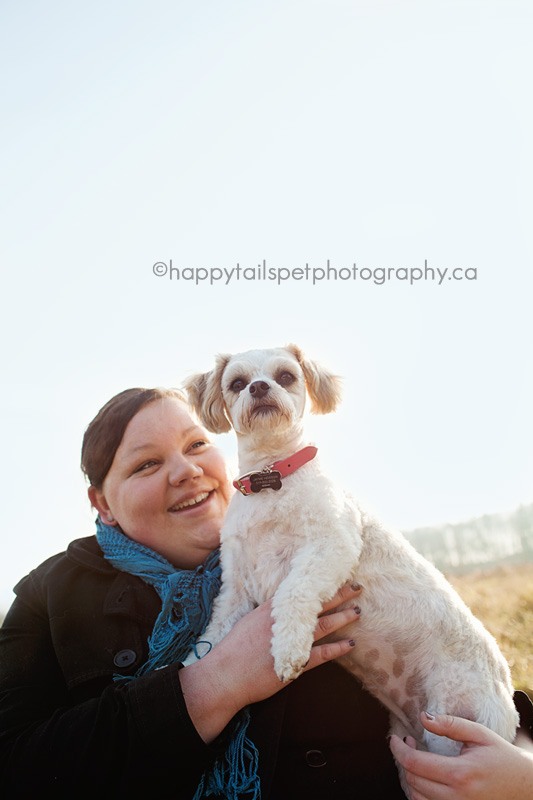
[(259, 389)]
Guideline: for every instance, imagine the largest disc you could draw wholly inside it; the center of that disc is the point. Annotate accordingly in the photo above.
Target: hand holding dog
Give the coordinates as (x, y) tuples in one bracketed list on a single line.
[(488, 767), (240, 669)]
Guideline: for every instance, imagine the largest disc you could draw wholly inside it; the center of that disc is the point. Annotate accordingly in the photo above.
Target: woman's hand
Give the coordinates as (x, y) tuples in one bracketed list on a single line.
[(240, 669), (488, 767)]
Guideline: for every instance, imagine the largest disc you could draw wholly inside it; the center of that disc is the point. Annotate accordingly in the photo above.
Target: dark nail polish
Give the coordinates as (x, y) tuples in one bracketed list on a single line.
[(352, 642), (356, 587), (357, 610)]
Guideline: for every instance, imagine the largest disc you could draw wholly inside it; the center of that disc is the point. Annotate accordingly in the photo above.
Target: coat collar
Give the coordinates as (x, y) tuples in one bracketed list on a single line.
[(127, 595), (87, 553)]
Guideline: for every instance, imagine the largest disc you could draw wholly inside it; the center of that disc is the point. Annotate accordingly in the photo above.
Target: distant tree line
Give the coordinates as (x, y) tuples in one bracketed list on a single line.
[(485, 541), (481, 542)]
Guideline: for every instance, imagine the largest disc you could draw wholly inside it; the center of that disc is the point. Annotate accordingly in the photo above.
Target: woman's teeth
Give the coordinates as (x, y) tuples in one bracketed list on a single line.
[(192, 502)]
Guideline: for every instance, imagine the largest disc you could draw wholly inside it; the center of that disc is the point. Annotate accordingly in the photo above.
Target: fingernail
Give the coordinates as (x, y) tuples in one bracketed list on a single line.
[(405, 739), (356, 586), (352, 642), (357, 610), (429, 715)]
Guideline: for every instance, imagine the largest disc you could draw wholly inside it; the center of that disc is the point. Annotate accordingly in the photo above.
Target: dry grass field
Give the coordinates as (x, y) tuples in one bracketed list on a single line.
[(503, 600)]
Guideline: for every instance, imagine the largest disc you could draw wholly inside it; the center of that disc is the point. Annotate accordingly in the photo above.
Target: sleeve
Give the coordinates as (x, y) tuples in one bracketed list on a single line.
[(524, 706), (134, 736)]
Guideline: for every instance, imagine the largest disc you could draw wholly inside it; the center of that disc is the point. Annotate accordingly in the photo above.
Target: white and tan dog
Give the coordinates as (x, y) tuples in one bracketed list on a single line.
[(417, 645)]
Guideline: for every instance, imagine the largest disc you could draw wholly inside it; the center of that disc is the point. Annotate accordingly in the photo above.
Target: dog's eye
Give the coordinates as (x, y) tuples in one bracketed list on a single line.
[(285, 379), (237, 385)]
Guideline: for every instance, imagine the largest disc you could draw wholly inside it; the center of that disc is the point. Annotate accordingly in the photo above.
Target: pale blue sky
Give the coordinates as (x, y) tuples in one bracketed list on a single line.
[(217, 133)]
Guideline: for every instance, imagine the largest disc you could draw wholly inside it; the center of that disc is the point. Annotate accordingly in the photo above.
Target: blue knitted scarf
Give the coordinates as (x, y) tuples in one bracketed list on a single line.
[(187, 597)]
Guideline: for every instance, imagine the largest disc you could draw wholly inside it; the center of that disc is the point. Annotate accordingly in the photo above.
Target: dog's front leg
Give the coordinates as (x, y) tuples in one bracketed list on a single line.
[(313, 579)]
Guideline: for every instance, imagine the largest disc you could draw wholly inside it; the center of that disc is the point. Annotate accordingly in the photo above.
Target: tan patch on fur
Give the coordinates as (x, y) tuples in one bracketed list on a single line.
[(395, 695), (381, 677), (372, 655), (398, 667), (410, 710), (414, 684), (401, 648)]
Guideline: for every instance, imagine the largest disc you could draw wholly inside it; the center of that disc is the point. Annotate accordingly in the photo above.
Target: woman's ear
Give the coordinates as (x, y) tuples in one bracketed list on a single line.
[(98, 501), (204, 391), (323, 387)]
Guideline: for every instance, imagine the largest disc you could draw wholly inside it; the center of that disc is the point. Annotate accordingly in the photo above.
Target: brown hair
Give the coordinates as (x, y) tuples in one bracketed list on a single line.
[(104, 434)]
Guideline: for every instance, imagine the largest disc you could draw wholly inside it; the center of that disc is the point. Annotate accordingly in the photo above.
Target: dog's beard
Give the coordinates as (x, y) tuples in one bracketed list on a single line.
[(261, 410), (264, 415)]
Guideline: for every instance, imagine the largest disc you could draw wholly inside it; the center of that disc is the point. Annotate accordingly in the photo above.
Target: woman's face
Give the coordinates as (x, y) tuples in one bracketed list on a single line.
[(168, 486)]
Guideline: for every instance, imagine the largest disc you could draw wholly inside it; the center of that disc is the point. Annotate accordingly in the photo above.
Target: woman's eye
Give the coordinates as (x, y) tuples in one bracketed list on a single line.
[(286, 378), (237, 385), (199, 443), (146, 465)]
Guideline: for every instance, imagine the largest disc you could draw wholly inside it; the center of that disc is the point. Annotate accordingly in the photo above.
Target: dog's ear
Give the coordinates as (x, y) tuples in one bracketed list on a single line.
[(323, 388), (204, 391)]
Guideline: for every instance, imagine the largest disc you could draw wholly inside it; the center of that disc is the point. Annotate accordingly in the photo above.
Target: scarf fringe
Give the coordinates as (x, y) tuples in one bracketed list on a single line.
[(234, 774), (187, 597)]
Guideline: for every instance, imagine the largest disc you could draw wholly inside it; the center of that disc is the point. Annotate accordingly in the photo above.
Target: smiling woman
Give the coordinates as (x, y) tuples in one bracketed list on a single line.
[(167, 486)]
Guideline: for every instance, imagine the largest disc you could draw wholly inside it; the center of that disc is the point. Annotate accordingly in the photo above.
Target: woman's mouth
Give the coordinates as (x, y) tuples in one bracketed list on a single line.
[(192, 502)]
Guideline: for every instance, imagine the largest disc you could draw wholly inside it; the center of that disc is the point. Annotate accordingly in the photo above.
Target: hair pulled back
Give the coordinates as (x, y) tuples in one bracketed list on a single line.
[(104, 434)]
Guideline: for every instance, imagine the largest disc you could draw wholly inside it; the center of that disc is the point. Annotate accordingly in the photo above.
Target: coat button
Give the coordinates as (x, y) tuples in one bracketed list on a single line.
[(315, 758), (125, 658)]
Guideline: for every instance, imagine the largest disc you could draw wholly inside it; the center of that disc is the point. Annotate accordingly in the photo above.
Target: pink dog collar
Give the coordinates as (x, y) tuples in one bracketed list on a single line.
[(270, 476)]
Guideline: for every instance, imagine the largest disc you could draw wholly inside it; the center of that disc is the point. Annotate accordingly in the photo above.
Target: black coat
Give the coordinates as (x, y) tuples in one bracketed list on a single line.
[(68, 730)]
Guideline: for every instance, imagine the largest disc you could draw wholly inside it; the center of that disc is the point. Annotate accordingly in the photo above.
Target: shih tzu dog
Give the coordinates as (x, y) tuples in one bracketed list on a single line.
[(293, 535)]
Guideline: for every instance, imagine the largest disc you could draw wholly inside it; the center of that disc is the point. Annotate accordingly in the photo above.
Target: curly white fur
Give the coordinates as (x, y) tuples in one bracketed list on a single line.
[(417, 644)]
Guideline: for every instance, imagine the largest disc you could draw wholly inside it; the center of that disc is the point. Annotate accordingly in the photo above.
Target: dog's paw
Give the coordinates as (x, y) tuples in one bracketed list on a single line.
[(290, 659), (291, 646), (289, 671)]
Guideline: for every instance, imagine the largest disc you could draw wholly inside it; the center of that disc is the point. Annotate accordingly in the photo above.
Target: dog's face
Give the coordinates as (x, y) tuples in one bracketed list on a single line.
[(261, 390)]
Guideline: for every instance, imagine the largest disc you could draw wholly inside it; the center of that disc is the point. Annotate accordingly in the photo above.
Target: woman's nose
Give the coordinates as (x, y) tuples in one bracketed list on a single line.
[(183, 469)]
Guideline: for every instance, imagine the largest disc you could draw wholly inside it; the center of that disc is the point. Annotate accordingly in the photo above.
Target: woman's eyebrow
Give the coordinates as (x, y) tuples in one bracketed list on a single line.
[(137, 447), (148, 445)]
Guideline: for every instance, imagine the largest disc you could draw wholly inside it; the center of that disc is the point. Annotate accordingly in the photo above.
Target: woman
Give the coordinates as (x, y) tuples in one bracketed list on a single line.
[(118, 603)]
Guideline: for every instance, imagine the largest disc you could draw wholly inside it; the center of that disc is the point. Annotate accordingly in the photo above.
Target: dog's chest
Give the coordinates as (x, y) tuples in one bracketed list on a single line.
[(266, 571), (263, 533), (261, 550)]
